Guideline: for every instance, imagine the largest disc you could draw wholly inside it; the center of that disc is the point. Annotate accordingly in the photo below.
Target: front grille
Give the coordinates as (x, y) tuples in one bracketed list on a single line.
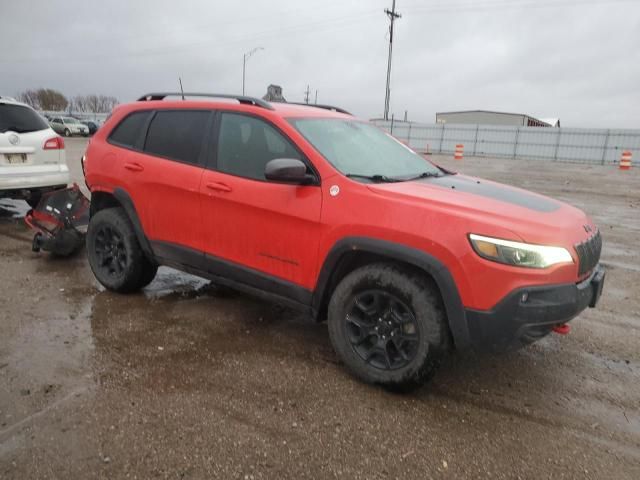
[(589, 253)]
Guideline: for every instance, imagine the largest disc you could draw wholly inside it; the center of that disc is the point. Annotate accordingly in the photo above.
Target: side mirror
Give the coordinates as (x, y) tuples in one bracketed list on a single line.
[(288, 170)]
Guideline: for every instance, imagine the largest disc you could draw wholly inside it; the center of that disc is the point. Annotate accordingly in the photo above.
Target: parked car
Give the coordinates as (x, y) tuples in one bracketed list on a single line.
[(316, 209), (32, 156), (69, 126), (91, 125)]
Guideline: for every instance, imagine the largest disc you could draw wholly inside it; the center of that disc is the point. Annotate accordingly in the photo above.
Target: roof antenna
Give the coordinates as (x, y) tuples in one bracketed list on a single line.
[(181, 91)]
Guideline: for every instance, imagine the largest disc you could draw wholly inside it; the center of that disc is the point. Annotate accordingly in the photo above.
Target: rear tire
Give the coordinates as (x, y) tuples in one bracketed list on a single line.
[(114, 253), (388, 326), (149, 271)]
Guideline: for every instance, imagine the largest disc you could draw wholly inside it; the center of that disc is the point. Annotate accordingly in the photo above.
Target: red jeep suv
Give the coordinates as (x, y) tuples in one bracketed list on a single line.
[(311, 207)]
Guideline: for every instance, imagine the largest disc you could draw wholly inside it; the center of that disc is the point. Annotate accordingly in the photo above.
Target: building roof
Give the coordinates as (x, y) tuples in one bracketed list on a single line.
[(557, 121), (554, 122)]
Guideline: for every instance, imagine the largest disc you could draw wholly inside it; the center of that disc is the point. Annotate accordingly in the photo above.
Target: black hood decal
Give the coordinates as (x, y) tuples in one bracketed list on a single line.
[(496, 192)]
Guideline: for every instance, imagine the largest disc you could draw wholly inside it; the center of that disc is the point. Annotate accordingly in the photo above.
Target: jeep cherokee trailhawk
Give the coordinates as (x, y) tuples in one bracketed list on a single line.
[(314, 208)]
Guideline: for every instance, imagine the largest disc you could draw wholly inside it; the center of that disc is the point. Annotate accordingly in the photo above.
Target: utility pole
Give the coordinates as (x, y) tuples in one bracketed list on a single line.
[(306, 95), (393, 15), (316, 102), (244, 63)]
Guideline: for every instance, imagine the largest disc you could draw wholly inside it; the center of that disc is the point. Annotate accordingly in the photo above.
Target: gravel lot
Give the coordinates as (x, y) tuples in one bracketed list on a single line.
[(188, 381)]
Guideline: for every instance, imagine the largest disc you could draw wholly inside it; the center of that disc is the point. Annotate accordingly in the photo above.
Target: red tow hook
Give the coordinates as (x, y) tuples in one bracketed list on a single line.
[(563, 329)]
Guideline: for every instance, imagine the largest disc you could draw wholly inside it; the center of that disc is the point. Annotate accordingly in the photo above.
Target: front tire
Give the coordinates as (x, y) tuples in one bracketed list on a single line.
[(388, 326), (114, 253), (67, 132)]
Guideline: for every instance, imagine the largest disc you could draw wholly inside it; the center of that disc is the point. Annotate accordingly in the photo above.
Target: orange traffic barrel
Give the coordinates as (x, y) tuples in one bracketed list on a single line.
[(625, 160), (459, 152)]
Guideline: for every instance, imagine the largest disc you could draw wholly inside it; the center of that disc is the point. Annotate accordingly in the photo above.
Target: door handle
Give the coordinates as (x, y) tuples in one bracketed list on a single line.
[(218, 187), (134, 167)]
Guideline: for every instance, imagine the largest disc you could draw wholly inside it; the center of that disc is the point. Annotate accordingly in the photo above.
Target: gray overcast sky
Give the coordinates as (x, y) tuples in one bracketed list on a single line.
[(574, 59)]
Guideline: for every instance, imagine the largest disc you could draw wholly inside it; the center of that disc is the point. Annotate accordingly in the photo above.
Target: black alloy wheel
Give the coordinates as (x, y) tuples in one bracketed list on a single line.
[(382, 330), (388, 325), (114, 252), (110, 251)]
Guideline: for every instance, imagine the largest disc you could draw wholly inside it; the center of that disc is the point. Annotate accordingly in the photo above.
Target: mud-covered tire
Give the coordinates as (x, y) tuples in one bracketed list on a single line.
[(114, 253), (149, 271), (415, 298)]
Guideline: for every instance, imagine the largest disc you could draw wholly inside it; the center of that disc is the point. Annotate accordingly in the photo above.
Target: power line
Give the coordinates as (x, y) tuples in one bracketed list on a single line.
[(393, 15), (314, 26), (479, 6), (297, 29)]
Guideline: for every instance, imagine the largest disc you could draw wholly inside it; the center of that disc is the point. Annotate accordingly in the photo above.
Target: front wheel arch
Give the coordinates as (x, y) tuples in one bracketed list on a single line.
[(353, 252)]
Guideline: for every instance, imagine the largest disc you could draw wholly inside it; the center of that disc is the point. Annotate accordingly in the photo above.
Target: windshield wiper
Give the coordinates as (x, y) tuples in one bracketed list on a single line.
[(422, 175), (374, 178)]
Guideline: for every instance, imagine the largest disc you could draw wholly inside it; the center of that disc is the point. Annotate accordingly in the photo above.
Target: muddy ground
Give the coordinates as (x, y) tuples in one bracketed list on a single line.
[(186, 381)]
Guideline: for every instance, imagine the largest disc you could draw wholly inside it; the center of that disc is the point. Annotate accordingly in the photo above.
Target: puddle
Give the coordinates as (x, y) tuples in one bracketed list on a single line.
[(11, 209), (46, 358), (170, 282)]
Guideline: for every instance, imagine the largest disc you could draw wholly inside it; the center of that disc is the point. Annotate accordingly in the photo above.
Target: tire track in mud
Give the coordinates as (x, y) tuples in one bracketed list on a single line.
[(631, 449)]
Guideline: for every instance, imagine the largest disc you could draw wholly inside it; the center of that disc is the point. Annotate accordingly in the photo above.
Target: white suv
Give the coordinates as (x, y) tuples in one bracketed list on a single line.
[(32, 158)]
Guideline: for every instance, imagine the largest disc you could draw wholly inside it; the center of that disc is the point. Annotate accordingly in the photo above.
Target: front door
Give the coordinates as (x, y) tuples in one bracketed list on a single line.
[(262, 231)]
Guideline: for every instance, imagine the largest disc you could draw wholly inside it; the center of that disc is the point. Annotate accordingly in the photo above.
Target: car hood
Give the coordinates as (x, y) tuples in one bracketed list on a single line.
[(531, 217)]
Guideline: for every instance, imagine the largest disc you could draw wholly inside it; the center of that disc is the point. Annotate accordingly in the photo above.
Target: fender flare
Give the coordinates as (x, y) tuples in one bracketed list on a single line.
[(395, 251), (125, 200)]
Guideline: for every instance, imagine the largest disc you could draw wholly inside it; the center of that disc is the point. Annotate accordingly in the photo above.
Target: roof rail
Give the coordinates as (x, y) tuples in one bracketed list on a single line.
[(240, 98), (325, 107)]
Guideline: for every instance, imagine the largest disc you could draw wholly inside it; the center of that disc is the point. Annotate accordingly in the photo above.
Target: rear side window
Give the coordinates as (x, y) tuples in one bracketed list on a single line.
[(19, 119), (128, 130), (177, 134), (246, 144)]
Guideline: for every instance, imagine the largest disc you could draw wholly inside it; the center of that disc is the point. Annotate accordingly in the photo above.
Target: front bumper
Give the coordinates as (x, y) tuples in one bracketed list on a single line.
[(528, 314)]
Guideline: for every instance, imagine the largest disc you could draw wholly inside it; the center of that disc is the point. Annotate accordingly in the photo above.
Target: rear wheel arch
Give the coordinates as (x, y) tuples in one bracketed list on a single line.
[(351, 253), (120, 198), (101, 200)]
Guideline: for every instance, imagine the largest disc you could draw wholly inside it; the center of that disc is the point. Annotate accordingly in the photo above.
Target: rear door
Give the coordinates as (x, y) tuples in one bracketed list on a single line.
[(256, 230), (163, 175)]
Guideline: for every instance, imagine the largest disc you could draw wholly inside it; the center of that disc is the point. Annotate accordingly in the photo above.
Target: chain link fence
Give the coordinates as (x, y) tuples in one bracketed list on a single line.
[(577, 145)]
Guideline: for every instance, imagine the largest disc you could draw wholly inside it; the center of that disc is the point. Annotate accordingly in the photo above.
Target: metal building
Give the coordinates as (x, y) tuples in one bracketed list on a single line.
[(486, 117)]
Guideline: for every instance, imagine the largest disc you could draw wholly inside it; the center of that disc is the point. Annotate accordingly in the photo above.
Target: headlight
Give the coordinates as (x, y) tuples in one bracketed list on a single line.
[(519, 254)]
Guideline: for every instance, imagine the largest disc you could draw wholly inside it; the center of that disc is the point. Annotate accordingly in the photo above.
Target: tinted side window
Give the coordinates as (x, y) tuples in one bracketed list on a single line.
[(177, 134), (246, 144), (128, 130)]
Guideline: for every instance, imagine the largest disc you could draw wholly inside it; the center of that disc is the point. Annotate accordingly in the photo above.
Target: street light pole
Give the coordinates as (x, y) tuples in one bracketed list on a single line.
[(244, 63)]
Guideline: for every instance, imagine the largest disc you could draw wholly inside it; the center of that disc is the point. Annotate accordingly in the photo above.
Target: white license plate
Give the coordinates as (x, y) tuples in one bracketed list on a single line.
[(16, 158)]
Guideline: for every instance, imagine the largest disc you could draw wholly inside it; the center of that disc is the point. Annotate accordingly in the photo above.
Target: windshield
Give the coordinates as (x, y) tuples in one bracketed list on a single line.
[(359, 149), (70, 120), (20, 119)]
